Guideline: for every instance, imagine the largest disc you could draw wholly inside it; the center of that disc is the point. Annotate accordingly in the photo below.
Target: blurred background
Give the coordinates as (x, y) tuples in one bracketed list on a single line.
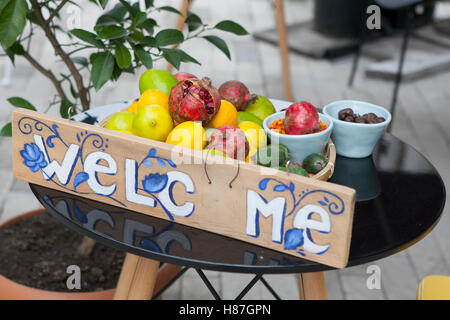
[(323, 37)]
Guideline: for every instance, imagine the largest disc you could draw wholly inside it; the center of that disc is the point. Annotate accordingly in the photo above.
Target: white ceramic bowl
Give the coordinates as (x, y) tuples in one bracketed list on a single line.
[(300, 146), (356, 140)]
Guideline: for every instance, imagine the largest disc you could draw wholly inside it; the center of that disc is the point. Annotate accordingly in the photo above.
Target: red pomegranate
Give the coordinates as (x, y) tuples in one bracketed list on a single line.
[(194, 100), (184, 75), (230, 140), (301, 118), (237, 93)]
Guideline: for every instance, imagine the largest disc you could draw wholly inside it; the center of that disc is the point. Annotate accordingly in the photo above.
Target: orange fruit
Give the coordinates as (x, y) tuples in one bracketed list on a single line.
[(153, 122), (189, 134), (153, 97), (133, 107), (226, 116)]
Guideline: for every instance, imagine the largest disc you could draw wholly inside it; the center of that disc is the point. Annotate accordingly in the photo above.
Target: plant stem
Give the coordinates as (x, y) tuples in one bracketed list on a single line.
[(82, 91), (46, 73), (55, 12)]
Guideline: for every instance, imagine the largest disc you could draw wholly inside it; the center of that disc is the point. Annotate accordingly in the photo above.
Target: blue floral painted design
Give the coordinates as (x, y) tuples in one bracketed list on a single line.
[(336, 207), (155, 183), (33, 157), (147, 161), (293, 238)]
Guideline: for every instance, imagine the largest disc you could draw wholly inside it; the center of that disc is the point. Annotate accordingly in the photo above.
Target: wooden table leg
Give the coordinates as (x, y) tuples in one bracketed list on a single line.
[(312, 286), (284, 50), (137, 278), (180, 22)]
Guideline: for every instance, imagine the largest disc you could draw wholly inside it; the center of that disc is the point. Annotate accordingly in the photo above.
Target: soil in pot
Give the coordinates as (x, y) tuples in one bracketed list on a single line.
[(37, 250)]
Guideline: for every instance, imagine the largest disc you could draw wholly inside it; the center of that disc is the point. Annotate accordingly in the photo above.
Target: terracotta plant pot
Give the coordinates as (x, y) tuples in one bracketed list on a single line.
[(10, 290)]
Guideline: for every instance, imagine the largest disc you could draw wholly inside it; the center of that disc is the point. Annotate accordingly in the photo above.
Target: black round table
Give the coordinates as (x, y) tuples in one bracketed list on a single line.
[(400, 198)]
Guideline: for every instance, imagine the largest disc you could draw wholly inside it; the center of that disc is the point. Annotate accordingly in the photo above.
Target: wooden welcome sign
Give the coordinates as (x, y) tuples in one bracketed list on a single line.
[(295, 215)]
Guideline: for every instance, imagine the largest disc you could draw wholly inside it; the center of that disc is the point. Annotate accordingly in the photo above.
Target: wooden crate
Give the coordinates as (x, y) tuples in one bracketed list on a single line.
[(303, 217)]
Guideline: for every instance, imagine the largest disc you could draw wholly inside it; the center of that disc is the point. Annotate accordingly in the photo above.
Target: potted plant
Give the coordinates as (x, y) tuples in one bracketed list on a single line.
[(125, 37)]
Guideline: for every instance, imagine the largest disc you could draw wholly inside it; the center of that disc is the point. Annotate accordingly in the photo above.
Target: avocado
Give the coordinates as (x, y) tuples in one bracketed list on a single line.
[(314, 163), (273, 156), (294, 169)]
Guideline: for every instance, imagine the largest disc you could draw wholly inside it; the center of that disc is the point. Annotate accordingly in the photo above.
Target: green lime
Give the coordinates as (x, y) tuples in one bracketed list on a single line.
[(297, 170), (314, 163), (157, 79), (261, 108), (247, 116), (122, 121), (273, 156)]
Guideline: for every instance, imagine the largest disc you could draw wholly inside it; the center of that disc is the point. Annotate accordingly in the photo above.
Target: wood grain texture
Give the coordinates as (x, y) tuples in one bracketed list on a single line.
[(137, 278), (219, 191)]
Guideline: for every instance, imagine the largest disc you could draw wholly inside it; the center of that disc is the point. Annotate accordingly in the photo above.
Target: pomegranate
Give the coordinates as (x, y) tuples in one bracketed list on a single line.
[(237, 93), (184, 75), (230, 140), (301, 118), (194, 100)]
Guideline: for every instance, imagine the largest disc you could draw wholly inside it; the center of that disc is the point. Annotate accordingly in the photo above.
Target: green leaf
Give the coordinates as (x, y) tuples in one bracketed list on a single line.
[(178, 55), (139, 19), (168, 37), (149, 3), (110, 32), (193, 21), (187, 58), (149, 25), (3, 4), (83, 61), (144, 56), (21, 103), (118, 12), (88, 37), (65, 109), (6, 130), (12, 21), (103, 3), (15, 49), (170, 9), (173, 57), (123, 56), (219, 43), (148, 41), (73, 91), (133, 10), (102, 69), (231, 26)]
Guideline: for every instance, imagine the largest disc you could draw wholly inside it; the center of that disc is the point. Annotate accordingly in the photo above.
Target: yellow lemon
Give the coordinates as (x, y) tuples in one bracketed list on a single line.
[(126, 131), (255, 135), (226, 116), (152, 97), (134, 106), (153, 122), (189, 134)]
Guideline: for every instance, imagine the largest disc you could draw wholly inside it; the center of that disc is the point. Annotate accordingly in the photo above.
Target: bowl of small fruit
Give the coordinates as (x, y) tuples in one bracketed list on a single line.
[(357, 126), (301, 129)]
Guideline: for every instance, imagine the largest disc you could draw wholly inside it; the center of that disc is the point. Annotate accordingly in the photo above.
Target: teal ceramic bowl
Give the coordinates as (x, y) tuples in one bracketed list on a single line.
[(300, 146), (356, 140)]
